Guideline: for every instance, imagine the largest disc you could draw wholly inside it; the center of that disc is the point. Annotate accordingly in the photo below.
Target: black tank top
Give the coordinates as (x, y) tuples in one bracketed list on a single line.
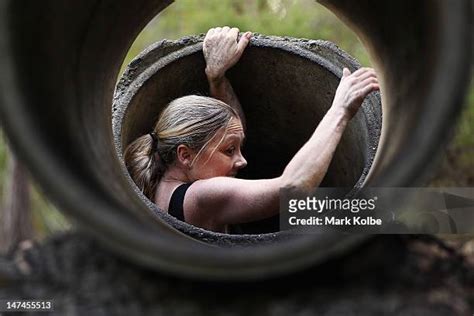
[(177, 200), (176, 207)]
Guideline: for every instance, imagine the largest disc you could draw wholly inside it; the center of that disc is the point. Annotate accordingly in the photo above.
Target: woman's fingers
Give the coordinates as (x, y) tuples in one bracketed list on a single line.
[(367, 81), (368, 89), (210, 32), (364, 88), (360, 71), (363, 72), (234, 33), (243, 42), (222, 48), (367, 74), (353, 89), (346, 72)]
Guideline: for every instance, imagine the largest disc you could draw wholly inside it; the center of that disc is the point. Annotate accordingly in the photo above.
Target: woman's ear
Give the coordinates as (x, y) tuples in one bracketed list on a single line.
[(184, 155)]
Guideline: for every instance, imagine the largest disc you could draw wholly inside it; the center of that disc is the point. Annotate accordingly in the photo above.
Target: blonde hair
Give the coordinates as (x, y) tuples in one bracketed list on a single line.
[(191, 120)]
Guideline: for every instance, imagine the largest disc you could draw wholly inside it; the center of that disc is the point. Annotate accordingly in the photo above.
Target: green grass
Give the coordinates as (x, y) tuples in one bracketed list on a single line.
[(296, 18), (465, 133), (457, 168)]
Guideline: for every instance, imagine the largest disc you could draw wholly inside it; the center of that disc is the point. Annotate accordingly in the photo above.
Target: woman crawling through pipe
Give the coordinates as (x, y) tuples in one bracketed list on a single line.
[(188, 163)]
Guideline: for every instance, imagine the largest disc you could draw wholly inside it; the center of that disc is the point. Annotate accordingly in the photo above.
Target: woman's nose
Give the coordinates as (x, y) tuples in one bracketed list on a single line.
[(241, 162)]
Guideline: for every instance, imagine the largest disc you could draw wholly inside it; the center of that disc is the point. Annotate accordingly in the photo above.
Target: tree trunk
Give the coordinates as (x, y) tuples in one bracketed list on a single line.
[(15, 216)]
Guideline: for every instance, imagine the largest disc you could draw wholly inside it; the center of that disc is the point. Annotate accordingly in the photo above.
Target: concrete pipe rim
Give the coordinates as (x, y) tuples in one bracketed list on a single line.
[(146, 65)]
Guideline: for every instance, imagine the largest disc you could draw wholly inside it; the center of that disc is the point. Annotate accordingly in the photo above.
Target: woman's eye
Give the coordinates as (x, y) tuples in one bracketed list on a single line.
[(230, 151)]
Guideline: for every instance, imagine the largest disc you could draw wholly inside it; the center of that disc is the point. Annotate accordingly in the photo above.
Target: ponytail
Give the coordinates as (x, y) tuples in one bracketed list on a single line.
[(144, 164)]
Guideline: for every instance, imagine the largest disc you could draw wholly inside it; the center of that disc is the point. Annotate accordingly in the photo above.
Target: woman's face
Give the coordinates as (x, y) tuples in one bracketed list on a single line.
[(222, 157)]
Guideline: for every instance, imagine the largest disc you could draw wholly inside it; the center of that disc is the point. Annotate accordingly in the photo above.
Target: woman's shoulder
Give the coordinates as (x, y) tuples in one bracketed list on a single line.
[(225, 187), (214, 187), (224, 199)]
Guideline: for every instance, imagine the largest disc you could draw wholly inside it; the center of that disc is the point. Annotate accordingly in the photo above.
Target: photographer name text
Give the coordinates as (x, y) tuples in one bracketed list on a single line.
[(321, 207)]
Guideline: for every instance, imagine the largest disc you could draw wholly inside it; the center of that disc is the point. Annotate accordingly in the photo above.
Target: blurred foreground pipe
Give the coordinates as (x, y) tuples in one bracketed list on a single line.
[(59, 62)]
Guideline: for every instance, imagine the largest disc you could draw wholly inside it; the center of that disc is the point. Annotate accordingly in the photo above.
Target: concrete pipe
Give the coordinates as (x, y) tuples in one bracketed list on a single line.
[(285, 87), (60, 62)]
